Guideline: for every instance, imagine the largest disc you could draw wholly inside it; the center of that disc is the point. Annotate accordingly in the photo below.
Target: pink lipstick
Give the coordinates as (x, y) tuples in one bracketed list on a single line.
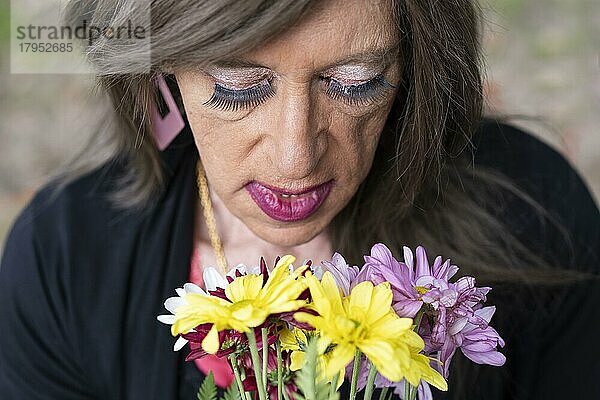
[(288, 205)]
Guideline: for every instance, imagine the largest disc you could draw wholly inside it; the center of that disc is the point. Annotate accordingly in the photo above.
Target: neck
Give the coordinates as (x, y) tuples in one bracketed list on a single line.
[(241, 245)]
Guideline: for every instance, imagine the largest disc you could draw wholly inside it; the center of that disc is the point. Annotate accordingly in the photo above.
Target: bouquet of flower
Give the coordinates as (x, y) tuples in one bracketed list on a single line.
[(298, 333)]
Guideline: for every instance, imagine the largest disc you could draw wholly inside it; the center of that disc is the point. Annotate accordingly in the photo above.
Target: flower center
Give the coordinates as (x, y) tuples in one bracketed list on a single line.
[(421, 290)]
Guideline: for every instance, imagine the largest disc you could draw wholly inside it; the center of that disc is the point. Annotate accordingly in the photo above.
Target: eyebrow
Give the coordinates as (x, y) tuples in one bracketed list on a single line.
[(375, 56)]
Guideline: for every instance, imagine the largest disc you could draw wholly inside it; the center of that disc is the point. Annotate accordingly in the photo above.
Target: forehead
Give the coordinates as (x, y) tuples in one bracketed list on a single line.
[(334, 32)]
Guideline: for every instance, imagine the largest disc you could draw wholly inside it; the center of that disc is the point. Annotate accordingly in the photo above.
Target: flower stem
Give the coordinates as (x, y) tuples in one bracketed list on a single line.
[(413, 394), (355, 371), (406, 390), (279, 371), (236, 373), (370, 382), (418, 318), (256, 364), (265, 356), (246, 395), (384, 393)]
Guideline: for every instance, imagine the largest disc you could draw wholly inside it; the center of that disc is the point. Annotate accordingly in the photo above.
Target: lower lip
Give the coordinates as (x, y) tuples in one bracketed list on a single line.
[(288, 209)]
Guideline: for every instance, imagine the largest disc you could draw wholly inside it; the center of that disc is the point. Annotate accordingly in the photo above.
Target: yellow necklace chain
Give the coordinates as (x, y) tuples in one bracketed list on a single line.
[(209, 217)]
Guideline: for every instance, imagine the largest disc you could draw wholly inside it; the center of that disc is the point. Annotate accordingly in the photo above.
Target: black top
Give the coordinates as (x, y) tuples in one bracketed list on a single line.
[(81, 285)]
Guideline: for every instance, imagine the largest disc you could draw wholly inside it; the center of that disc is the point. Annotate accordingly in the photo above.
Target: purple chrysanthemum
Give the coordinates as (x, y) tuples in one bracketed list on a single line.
[(381, 266), (453, 315)]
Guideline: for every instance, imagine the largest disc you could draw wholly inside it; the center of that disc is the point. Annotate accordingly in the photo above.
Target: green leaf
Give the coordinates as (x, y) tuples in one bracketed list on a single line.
[(208, 389), (232, 393), (307, 379)]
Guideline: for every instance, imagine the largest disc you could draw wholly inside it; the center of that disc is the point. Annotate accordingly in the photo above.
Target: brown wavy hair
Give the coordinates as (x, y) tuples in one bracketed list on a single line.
[(421, 188)]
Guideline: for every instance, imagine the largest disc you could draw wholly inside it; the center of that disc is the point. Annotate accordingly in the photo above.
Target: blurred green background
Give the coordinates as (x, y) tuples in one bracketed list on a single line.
[(542, 61)]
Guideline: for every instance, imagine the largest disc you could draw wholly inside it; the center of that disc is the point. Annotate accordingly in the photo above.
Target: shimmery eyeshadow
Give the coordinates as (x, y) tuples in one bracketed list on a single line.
[(239, 78), (352, 73)]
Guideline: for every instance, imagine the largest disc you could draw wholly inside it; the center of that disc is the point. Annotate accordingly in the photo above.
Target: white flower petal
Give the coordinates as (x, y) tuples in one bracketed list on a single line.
[(213, 279), (180, 292), (179, 343), (172, 303), (166, 319), (240, 267), (254, 270), (317, 271), (193, 288)]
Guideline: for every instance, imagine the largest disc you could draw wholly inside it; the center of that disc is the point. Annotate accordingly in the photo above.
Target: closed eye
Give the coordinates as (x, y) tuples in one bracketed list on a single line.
[(227, 99), (362, 94)]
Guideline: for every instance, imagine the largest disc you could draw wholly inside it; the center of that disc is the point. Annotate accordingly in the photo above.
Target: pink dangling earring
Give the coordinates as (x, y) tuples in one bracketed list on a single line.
[(166, 128)]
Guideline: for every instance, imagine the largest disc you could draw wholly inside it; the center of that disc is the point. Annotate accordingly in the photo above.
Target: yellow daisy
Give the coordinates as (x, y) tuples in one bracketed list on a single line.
[(249, 301), (366, 321)]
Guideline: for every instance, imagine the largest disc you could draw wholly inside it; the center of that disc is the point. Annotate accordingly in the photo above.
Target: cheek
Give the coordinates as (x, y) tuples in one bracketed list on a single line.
[(222, 151), (356, 141)]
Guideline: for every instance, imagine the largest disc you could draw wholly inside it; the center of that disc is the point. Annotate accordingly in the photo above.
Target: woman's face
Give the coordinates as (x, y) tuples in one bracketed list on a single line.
[(288, 131)]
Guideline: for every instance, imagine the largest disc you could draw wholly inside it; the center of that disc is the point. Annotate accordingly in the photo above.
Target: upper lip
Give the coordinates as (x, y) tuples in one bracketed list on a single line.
[(292, 191)]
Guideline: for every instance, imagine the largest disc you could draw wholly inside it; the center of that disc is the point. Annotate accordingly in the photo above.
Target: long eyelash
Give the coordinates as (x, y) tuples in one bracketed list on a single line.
[(233, 100), (359, 95)]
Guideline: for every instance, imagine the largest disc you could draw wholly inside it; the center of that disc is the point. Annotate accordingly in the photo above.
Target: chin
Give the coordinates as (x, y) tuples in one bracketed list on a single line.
[(291, 236)]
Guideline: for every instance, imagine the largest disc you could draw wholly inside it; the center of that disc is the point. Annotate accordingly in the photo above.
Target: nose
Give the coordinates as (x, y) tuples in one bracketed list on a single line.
[(298, 138)]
